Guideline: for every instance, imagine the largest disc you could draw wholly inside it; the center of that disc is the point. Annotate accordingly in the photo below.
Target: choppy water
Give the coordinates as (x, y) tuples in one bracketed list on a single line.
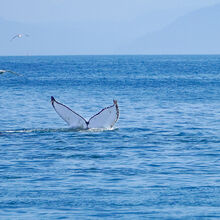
[(162, 160)]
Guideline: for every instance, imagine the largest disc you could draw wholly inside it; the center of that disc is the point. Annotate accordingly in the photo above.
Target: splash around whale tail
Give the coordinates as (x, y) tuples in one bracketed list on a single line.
[(104, 119)]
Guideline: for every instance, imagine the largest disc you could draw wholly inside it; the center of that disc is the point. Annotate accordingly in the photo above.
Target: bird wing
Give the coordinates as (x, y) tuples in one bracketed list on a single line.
[(106, 118), (13, 72), (2, 71), (14, 37), (69, 116)]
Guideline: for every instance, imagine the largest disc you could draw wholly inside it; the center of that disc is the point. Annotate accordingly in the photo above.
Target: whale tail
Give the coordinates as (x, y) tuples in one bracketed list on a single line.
[(104, 119)]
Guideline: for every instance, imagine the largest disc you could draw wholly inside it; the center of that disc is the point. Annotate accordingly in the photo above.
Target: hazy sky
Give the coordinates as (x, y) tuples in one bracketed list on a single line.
[(86, 26), (84, 10)]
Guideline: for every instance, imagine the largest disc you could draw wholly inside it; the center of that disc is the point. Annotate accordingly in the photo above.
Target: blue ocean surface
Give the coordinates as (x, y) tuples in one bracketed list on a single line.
[(161, 160)]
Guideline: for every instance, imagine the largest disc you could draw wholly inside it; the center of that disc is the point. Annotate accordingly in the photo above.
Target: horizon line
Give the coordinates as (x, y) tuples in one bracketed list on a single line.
[(169, 54)]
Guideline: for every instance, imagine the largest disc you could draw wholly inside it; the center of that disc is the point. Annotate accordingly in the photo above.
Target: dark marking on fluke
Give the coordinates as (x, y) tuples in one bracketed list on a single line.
[(52, 99)]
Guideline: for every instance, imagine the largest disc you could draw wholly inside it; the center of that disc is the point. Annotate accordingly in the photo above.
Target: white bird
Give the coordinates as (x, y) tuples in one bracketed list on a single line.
[(105, 119), (19, 36), (9, 71)]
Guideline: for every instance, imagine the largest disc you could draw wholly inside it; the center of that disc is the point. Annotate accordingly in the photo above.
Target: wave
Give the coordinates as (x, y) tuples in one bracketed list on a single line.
[(53, 130)]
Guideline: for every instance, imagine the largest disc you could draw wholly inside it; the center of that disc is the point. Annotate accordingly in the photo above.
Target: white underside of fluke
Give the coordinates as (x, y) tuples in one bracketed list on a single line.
[(105, 119)]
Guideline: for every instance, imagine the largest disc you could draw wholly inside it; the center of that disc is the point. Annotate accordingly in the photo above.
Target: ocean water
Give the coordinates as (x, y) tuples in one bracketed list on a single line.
[(162, 159)]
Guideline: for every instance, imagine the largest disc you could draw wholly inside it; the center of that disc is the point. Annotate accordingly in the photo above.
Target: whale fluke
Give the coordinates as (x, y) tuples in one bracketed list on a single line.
[(105, 119)]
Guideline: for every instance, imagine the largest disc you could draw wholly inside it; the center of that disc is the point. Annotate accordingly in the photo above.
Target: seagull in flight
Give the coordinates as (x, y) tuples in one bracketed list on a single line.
[(19, 36), (9, 71)]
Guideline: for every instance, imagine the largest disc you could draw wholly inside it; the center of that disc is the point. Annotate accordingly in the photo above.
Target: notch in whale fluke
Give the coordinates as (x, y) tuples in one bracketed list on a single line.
[(105, 119)]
